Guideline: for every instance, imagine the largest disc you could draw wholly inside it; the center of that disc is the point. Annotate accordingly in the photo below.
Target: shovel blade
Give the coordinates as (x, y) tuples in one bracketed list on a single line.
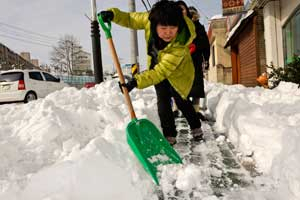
[(150, 146)]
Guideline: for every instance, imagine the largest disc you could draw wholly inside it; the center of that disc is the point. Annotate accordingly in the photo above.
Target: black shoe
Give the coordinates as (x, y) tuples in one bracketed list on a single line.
[(198, 138), (197, 134)]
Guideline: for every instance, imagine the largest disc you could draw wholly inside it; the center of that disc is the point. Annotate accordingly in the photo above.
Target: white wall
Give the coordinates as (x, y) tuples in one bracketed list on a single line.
[(276, 13), (273, 33)]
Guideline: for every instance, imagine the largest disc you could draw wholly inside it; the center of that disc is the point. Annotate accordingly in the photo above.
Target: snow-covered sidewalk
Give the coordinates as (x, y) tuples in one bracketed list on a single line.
[(211, 169)]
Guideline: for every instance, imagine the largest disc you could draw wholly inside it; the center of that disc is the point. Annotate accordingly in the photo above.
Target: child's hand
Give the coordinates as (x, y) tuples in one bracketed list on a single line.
[(106, 16), (129, 85)]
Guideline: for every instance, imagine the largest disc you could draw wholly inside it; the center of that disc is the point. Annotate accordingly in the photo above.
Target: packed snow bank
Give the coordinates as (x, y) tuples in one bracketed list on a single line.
[(70, 145), (264, 124)]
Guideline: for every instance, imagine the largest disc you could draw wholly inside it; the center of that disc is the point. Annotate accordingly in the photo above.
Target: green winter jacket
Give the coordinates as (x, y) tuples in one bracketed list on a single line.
[(174, 61)]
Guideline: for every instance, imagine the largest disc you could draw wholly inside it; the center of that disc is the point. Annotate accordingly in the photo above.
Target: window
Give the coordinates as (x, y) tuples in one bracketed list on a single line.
[(35, 76), (291, 37), (49, 77), (12, 76), (213, 56)]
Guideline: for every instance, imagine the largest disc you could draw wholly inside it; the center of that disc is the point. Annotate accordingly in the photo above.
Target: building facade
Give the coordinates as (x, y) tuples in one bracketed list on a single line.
[(246, 40), (282, 30), (83, 64), (11, 60), (35, 62), (220, 69), (26, 56), (268, 34)]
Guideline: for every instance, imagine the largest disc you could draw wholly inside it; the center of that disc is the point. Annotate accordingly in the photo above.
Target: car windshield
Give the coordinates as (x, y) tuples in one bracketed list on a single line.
[(11, 76)]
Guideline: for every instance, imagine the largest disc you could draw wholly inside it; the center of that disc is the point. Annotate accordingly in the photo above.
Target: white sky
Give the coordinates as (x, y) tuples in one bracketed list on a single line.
[(71, 145), (55, 18)]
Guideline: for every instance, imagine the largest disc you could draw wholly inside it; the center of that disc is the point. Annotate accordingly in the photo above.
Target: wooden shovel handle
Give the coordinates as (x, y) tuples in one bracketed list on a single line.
[(121, 77)]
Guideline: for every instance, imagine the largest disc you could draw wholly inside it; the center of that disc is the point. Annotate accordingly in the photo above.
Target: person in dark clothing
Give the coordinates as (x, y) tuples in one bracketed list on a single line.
[(201, 60), (170, 68), (200, 51)]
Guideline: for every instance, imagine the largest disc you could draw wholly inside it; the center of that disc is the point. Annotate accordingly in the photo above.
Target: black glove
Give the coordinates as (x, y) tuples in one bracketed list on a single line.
[(129, 85), (107, 16)]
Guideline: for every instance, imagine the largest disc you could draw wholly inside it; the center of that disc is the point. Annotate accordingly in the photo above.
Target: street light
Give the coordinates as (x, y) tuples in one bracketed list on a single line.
[(133, 38), (95, 34)]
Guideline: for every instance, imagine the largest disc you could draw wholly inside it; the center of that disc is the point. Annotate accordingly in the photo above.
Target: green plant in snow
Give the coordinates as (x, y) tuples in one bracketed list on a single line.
[(290, 73)]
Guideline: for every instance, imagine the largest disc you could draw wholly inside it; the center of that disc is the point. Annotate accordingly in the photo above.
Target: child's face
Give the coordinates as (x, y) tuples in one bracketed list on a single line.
[(166, 33)]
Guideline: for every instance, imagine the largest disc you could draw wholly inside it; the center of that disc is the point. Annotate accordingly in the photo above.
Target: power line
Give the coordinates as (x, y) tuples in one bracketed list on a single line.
[(26, 41), (149, 4), (25, 36), (28, 31), (145, 5)]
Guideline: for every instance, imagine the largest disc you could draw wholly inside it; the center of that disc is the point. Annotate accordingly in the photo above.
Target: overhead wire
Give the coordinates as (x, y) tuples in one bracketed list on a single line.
[(28, 31), (27, 41), (149, 4), (145, 5), (27, 36)]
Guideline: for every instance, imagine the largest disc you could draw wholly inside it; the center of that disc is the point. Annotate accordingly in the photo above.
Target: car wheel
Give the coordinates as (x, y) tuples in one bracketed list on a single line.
[(30, 96)]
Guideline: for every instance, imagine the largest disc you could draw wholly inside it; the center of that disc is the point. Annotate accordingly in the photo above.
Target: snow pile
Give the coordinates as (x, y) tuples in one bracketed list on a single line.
[(72, 145), (264, 124)]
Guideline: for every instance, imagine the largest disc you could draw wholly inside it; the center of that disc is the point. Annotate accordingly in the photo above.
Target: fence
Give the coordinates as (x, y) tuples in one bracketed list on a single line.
[(77, 81)]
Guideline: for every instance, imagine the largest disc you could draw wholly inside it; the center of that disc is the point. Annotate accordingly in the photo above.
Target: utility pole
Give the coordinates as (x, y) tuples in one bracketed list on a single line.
[(133, 38), (95, 34)]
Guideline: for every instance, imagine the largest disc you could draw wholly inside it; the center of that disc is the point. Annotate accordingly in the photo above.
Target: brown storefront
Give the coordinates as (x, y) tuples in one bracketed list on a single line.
[(247, 49)]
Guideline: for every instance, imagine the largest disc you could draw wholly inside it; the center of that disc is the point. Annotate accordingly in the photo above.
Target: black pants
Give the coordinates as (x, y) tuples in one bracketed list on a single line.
[(164, 92)]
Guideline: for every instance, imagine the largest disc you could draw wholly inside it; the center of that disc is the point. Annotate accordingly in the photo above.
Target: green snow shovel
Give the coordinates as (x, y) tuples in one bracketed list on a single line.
[(144, 138)]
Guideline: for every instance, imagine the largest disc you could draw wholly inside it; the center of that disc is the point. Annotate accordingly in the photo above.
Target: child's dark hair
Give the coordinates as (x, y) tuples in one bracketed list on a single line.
[(166, 13)]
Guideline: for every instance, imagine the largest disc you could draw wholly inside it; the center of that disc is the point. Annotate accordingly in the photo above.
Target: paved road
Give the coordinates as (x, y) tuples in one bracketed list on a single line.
[(221, 171)]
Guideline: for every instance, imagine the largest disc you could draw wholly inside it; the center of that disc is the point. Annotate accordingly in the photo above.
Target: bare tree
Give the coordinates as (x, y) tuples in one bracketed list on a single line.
[(64, 55)]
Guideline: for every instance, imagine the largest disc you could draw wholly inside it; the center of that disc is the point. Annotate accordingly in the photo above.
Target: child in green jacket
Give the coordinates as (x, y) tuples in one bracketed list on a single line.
[(170, 67)]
